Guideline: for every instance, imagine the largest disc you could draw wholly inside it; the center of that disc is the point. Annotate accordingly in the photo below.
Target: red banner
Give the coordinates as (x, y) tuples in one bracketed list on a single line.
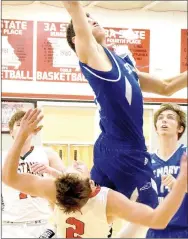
[(137, 40), (17, 50), (56, 62), (184, 42)]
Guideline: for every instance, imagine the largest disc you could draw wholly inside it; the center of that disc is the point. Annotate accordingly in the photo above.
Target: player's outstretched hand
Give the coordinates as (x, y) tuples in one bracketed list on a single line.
[(30, 121), (69, 4)]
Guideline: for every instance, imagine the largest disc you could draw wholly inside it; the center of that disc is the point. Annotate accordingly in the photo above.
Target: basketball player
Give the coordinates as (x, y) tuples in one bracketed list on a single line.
[(25, 216), (120, 152), (170, 124), (81, 208)]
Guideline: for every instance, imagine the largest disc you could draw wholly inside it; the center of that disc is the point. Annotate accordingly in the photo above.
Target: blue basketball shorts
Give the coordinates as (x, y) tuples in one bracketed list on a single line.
[(124, 171)]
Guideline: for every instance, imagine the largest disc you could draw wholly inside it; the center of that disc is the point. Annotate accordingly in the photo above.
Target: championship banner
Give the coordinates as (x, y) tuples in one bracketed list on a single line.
[(17, 50), (183, 58), (56, 62), (137, 41)]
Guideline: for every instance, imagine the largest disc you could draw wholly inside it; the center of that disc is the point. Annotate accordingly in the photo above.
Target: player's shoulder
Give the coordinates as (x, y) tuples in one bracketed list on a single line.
[(48, 149), (153, 156), (39, 149), (183, 147), (102, 193), (45, 149), (40, 153), (104, 189)]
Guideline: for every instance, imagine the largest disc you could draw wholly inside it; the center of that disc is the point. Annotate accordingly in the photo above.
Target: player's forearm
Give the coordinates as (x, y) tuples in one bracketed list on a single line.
[(55, 173), (176, 83), (151, 84), (79, 19), (167, 87), (166, 210), (12, 160)]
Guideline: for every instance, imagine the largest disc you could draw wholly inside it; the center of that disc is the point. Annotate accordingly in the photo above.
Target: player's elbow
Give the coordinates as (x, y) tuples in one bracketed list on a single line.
[(167, 91), (8, 178), (158, 223), (5, 178)]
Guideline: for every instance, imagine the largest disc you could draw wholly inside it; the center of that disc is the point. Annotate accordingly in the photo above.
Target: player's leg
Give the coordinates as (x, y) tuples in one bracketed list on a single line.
[(114, 166), (100, 178), (146, 186), (117, 168), (147, 194), (130, 170), (97, 175)]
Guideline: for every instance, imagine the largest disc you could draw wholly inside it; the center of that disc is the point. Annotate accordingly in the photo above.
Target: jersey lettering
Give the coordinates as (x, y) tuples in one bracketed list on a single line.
[(77, 230)]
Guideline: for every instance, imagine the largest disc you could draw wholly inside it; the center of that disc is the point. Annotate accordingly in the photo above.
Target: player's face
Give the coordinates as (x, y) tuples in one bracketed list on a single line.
[(80, 169), (97, 30), (167, 124)]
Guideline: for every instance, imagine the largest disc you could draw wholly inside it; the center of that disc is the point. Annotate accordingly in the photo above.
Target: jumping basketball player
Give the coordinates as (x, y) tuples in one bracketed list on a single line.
[(170, 124), (81, 208), (25, 216), (120, 152)]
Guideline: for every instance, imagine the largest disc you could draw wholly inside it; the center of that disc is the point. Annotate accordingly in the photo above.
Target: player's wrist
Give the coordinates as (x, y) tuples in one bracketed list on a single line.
[(23, 133), (181, 182), (22, 136)]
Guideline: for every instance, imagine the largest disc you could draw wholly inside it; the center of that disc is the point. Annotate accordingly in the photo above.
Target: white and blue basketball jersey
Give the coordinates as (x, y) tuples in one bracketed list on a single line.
[(120, 101), (171, 166)]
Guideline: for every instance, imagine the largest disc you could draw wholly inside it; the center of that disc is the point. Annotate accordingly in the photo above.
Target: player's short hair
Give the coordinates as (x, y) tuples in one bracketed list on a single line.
[(177, 109), (70, 33), (72, 192), (18, 115)]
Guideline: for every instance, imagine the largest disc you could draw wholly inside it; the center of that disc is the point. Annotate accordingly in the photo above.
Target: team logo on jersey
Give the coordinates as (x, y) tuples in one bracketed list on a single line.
[(145, 161), (146, 186)]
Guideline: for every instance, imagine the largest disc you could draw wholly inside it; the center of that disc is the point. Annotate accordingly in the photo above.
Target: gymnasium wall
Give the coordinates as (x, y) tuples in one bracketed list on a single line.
[(165, 31)]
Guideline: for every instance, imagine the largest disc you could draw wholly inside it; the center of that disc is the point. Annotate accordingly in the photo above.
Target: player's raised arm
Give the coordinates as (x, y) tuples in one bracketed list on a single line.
[(166, 87), (26, 183), (83, 40), (144, 215)]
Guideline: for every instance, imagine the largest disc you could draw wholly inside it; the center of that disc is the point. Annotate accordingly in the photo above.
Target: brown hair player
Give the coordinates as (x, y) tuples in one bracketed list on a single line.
[(170, 125)]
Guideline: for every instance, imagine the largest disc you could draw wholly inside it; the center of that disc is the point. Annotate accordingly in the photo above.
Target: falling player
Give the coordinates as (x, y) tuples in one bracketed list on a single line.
[(81, 208), (20, 209), (170, 124)]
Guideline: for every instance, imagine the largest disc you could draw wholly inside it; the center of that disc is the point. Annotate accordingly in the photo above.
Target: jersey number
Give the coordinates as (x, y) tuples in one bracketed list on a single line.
[(78, 228)]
